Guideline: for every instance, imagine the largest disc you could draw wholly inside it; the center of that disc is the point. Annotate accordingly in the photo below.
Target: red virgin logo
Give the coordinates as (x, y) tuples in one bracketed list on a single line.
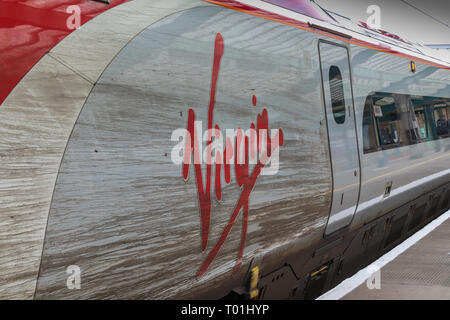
[(253, 149)]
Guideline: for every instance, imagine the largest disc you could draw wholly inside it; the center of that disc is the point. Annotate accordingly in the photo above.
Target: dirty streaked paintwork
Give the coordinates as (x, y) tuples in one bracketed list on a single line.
[(37, 119), (122, 210)]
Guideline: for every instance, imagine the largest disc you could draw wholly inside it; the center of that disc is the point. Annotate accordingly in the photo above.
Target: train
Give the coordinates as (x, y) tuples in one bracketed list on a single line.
[(219, 149)]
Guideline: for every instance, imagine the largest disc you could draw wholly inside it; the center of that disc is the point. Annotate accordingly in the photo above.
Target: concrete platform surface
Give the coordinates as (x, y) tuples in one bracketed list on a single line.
[(421, 272)]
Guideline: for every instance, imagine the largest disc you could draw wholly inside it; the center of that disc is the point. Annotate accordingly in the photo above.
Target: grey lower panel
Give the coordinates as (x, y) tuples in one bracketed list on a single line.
[(318, 269)]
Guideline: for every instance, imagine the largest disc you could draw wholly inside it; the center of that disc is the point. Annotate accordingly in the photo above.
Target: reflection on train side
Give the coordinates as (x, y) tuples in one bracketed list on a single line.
[(408, 188), (397, 120)]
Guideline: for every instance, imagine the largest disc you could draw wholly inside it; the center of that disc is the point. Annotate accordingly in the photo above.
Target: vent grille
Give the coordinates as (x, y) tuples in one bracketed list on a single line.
[(417, 217), (434, 207), (396, 230)]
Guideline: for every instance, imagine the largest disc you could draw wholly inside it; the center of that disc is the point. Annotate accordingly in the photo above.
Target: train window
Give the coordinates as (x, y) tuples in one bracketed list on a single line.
[(420, 123), (337, 94), (442, 119), (420, 128), (369, 132), (395, 120), (390, 122)]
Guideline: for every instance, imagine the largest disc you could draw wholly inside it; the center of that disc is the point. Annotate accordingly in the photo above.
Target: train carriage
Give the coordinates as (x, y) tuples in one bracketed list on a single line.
[(220, 149)]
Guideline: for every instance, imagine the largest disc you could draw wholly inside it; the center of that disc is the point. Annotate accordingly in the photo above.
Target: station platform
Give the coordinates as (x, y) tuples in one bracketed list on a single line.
[(417, 269)]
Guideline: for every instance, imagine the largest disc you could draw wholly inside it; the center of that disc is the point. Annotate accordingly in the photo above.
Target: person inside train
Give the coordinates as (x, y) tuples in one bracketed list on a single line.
[(442, 125)]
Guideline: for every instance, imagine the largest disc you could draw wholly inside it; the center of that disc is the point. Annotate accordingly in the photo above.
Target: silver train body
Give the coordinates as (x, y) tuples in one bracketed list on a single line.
[(90, 179)]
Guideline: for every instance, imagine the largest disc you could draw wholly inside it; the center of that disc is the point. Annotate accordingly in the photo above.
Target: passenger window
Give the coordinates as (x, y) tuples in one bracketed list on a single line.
[(420, 123), (395, 120), (337, 95), (369, 132), (441, 117), (391, 130)]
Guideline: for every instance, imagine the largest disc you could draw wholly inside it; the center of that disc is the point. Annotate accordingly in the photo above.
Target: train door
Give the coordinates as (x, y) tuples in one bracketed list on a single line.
[(340, 115)]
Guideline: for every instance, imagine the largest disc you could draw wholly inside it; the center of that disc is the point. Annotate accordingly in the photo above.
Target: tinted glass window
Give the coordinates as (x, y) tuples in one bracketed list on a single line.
[(337, 94), (420, 122), (395, 120), (441, 118), (369, 131), (390, 121)]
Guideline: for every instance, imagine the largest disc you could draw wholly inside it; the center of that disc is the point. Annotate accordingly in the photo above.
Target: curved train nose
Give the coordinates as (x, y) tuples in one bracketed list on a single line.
[(170, 148)]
